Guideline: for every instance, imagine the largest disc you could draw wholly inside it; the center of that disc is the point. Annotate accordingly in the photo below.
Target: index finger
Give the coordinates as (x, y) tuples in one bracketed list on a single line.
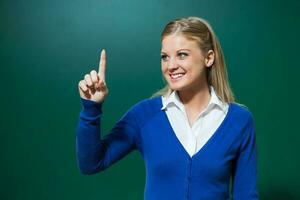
[(102, 65)]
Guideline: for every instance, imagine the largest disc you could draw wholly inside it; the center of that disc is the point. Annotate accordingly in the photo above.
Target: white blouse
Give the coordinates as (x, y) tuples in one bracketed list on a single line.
[(194, 138)]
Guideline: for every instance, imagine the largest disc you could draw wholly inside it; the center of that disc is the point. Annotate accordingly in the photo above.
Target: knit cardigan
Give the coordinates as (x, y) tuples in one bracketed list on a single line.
[(229, 156)]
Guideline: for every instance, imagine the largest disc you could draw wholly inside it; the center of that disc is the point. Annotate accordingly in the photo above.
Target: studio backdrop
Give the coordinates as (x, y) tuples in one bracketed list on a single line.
[(47, 46)]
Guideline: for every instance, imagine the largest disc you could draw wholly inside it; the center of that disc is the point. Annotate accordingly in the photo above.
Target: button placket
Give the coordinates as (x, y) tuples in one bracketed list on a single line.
[(188, 178)]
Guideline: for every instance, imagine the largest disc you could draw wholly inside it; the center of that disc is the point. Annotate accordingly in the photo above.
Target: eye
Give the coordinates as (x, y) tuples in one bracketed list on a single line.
[(164, 57), (182, 55)]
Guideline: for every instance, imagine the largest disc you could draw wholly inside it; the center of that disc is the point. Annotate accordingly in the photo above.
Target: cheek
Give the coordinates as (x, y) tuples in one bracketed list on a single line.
[(163, 67)]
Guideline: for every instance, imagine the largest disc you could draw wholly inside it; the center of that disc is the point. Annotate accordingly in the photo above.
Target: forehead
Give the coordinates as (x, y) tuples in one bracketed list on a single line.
[(176, 42)]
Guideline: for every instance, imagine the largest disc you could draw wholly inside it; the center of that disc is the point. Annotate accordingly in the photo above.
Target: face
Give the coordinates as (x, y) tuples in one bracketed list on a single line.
[(182, 63)]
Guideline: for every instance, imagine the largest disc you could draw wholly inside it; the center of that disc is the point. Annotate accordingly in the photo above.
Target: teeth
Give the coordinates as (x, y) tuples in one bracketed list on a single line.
[(176, 75)]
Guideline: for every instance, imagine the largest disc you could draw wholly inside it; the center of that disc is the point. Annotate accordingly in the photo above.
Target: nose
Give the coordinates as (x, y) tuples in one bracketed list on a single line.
[(172, 64)]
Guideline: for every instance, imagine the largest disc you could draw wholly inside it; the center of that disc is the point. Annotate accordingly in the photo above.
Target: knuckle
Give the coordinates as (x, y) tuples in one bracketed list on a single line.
[(86, 76), (81, 82), (94, 78)]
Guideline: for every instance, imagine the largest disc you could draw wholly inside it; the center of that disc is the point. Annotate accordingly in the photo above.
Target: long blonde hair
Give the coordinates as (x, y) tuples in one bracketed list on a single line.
[(199, 30)]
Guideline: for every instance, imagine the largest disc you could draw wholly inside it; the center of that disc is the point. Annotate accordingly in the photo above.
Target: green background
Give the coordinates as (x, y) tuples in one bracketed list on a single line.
[(47, 46)]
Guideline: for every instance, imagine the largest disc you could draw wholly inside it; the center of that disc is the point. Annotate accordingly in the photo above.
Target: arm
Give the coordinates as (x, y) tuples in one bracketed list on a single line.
[(94, 153), (245, 167)]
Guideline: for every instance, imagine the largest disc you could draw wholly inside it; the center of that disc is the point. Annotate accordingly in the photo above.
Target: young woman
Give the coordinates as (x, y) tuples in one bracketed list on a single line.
[(194, 139)]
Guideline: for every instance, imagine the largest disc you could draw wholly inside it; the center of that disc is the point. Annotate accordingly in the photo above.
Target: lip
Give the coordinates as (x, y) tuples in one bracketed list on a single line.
[(176, 78)]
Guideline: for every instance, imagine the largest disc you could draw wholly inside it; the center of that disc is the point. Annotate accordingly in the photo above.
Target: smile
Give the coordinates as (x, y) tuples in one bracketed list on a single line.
[(176, 77)]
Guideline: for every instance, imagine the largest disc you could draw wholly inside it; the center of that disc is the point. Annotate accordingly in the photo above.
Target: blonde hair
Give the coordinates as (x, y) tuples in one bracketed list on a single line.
[(199, 30)]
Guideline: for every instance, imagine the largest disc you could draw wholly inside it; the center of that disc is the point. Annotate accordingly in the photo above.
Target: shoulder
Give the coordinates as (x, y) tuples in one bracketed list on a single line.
[(241, 114), (146, 108), (242, 122)]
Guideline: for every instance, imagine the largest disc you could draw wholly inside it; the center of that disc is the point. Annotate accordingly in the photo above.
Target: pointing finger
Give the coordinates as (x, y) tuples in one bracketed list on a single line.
[(102, 65)]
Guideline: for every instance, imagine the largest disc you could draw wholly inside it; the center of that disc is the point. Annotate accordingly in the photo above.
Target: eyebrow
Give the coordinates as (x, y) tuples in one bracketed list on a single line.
[(177, 50)]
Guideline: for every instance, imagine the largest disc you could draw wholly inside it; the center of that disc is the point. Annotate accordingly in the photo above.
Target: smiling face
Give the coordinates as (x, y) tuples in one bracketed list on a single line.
[(182, 62)]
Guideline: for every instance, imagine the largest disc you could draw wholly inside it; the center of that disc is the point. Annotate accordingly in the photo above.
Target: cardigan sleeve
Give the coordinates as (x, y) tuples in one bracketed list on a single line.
[(96, 153), (245, 167)]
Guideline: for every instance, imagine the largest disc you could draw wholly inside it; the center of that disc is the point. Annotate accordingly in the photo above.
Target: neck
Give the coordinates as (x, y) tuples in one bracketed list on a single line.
[(195, 98)]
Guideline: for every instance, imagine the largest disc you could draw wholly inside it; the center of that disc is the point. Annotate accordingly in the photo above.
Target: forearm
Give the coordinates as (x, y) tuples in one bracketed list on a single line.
[(89, 149), (96, 153)]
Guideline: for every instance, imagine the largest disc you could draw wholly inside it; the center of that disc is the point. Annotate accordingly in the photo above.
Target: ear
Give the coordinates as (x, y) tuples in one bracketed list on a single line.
[(210, 58)]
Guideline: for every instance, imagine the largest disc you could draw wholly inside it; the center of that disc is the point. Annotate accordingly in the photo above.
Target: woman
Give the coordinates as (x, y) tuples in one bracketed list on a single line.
[(195, 140)]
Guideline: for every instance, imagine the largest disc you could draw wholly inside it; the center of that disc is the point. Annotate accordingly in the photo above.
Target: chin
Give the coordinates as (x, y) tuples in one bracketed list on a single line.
[(176, 87), (180, 86)]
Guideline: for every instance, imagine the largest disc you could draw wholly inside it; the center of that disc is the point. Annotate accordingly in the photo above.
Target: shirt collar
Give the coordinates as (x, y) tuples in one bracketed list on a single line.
[(174, 100)]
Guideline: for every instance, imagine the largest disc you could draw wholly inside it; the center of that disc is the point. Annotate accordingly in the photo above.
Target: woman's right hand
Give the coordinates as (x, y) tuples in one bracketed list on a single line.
[(93, 86)]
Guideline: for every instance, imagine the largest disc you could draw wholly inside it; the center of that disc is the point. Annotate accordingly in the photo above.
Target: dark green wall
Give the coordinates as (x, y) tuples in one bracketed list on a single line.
[(46, 47)]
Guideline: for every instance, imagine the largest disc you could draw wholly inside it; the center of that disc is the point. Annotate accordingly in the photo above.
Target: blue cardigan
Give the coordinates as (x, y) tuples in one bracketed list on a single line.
[(171, 174)]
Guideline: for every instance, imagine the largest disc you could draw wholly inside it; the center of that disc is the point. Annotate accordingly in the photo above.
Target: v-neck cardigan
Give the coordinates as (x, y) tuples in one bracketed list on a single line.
[(171, 174)]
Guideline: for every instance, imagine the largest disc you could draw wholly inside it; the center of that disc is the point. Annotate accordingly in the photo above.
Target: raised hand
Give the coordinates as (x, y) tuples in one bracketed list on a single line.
[(93, 86)]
